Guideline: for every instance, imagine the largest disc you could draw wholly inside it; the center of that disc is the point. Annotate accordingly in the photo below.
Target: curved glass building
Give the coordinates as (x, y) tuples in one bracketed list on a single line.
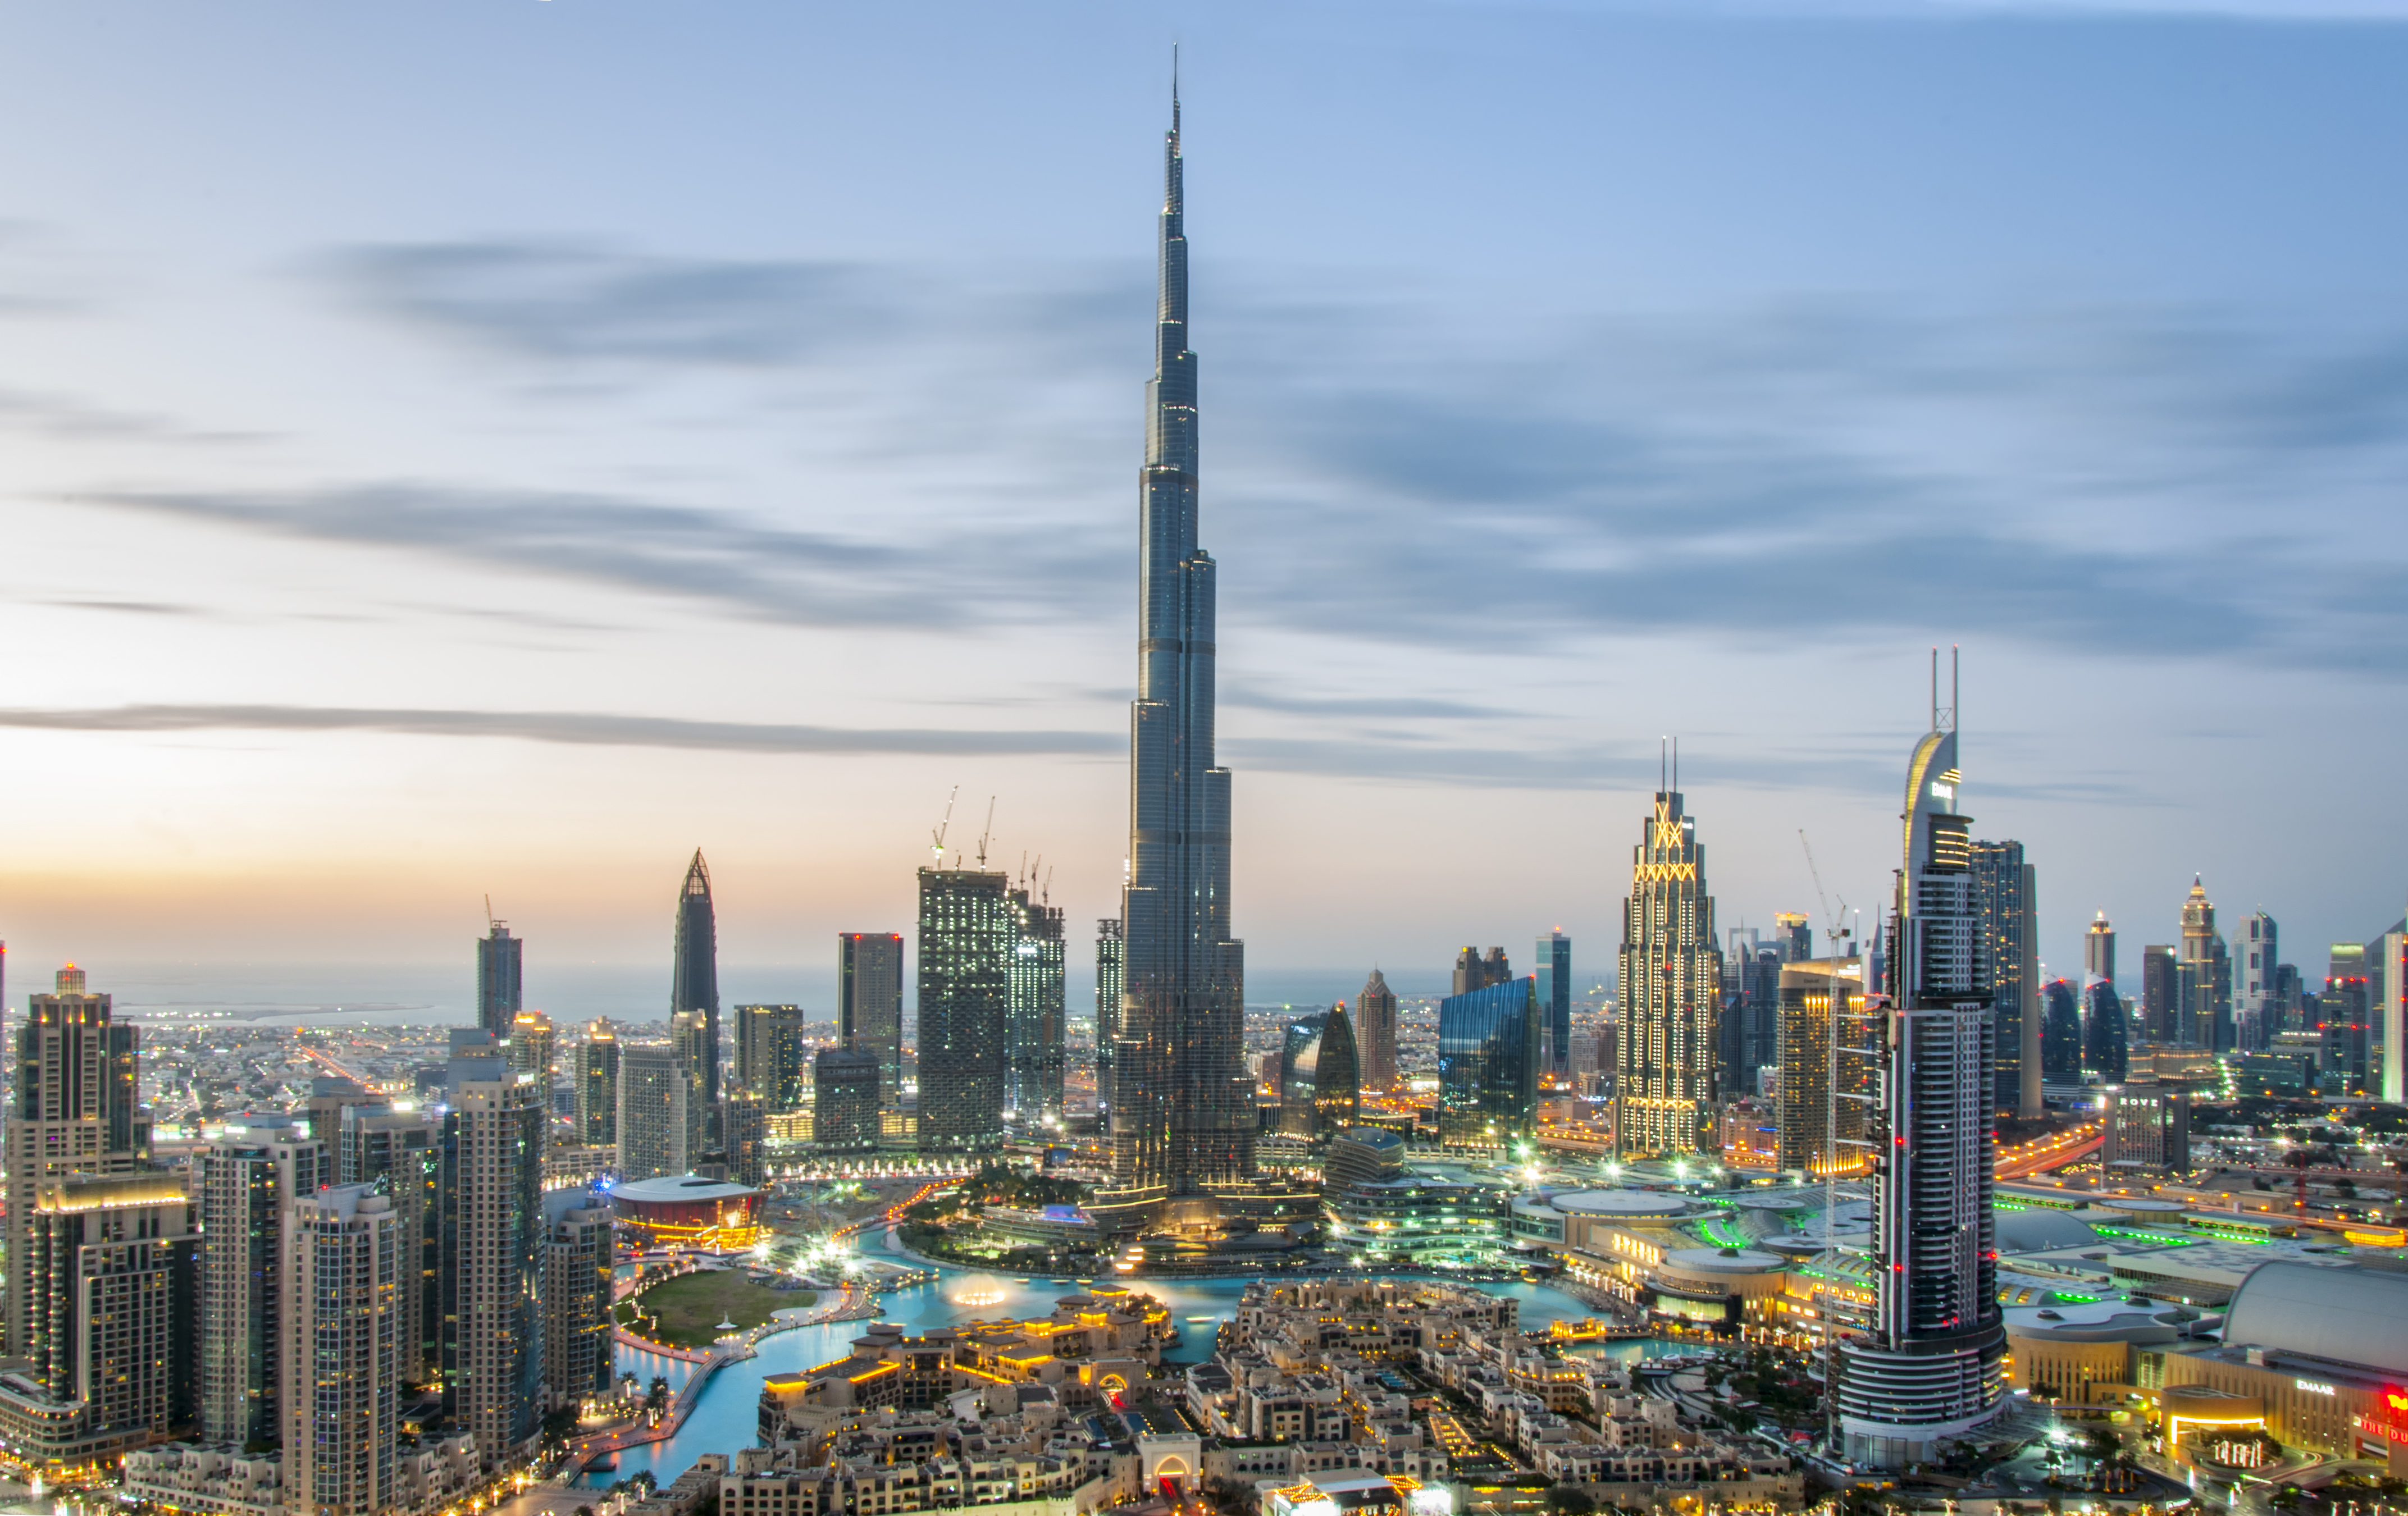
[(1488, 1065)]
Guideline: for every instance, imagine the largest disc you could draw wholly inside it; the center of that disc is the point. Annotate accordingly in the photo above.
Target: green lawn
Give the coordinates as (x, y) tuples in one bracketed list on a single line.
[(691, 1307)]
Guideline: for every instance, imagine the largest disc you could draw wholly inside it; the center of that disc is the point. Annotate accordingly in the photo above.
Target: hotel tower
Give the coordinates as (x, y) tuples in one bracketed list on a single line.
[(1931, 1367)]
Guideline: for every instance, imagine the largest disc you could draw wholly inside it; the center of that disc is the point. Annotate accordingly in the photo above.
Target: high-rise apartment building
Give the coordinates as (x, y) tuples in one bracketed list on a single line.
[(1672, 993), (398, 1154), (493, 1251), (2147, 1127), (244, 1183), (1184, 1121), (73, 1108), (1931, 1367), (967, 930), (1375, 1032), (1111, 953), (771, 1059), (694, 998), (1553, 958), (2345, 1027), (1033, 1024), (1488, 1066), (2390, 988), (2203, 977), (348, 1277), (869, 1002), (844, 1100), (2004, 896), (1825, 1091), (579, 1363), (534, 1048), (744, 1132), (108, 1261), (597, 1086), (499, 979), (2257, 957), (2098, 950), (655, 1130), (1751, 1016)]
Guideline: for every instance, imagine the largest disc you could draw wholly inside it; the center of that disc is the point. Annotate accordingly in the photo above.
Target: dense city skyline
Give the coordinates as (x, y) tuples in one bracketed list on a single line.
[(537, 456)]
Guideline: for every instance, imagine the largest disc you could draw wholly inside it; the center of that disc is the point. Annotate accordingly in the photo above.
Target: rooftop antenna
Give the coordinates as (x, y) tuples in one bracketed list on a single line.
[(1935, 687), (1676, 762), (1663, 764), (1174, 88), (988, 833), (936, 832)]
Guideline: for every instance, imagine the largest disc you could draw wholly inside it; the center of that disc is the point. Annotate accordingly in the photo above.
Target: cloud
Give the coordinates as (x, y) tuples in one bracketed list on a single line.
[(806, 578), (1403, 708), (67, 418), (580, 728)]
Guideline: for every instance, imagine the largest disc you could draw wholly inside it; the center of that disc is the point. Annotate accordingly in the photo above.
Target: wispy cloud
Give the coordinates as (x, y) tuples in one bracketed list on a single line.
[(578, 728), (808, 578)]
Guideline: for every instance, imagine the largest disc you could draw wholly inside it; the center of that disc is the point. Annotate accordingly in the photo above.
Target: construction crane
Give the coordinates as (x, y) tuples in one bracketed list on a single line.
[(1835, 930), (936, 832), (988, 833)]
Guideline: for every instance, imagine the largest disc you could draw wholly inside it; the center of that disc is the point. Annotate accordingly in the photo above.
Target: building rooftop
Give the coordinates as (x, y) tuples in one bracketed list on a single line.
[(680, 1187), (2356, 1316)]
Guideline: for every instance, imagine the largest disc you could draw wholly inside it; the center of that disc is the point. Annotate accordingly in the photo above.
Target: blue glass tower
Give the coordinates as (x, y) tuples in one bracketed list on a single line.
[(1488, 1065), (1184, 1120), (1554, 961)]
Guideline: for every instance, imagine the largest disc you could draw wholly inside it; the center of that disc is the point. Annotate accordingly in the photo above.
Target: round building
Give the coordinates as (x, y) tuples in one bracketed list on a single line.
[(687, 1211)]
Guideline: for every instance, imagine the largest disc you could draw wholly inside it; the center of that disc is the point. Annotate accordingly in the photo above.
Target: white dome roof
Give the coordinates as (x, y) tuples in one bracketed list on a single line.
[(2346, 1315)]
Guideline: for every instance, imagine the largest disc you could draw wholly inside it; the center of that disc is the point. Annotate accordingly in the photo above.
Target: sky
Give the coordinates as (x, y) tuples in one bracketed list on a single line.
[(464, 451)]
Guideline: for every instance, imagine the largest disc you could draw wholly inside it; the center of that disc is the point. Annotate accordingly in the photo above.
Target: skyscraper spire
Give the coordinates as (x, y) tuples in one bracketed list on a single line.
[(1185, 1119), (694, 1000)]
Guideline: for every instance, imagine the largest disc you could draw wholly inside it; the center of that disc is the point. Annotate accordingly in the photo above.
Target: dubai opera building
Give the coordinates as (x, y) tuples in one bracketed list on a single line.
[(687, 1211)]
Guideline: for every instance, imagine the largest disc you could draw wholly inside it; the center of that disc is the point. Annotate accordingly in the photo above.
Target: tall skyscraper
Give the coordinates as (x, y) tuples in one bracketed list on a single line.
[(1488, 1066), (844, 1100), (349, 1275), (2098, 949), (2106, 1031), (74, 1108), (2256, 955), (2004, 895), (771, 1061), (1375, 1032), (2060, 1041), (597, 1086), (1474, 972), (1185, 1120), (1821, 1128), (534, 1048), (2390, 986), (693, 997), (1032, 1029), (2204, 975), (1553, 958), (967, 930), (398, 1154), (869, 1002), (1931, 1366), (654, 1131), (493, 1251), (1111, 958), (244, 1183), (744, 1137), (1320, 1075), (1794, 935), (499, 978), (1752, 1015), (2161, 1001), (1672, 993), (578, 1362)]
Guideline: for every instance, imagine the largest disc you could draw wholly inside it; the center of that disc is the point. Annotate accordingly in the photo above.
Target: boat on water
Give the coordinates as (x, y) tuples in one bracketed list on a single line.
[(1203, 1318)]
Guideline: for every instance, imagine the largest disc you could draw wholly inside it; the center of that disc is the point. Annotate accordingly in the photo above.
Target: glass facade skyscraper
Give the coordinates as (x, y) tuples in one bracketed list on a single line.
[(2003, 891), (1111, 956), (1184, 1120), (869, 1003), (1488, 1065), (1320, 1074), (693, 997), (771, 1062), (499, 979), (1553, 959), (1375, 1030), (967, 930), (1931, 1366)]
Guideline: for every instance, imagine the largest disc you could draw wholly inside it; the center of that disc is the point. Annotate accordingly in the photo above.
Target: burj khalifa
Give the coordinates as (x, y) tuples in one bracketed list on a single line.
[(1183, 1122)]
